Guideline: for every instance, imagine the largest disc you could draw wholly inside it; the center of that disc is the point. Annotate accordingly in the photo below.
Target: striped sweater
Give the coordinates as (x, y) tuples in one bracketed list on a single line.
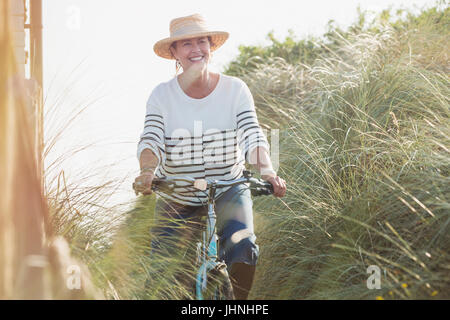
[(209, 138)]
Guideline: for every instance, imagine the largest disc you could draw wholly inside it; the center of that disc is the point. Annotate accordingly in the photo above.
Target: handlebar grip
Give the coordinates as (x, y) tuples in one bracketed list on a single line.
[(269, 187), (162, 184), (156, 184), (264, 190)]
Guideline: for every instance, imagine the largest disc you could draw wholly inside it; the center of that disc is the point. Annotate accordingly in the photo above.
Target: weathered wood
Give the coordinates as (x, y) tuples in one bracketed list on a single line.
[(17, 23), (34, 263)]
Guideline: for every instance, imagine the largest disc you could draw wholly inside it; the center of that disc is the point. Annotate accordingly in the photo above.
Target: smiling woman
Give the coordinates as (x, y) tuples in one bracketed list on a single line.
[(194, 51), (188, 43), (204, 125)]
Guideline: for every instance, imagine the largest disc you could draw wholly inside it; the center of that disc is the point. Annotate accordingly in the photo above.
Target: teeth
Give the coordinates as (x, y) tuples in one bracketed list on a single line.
[(196, 59)]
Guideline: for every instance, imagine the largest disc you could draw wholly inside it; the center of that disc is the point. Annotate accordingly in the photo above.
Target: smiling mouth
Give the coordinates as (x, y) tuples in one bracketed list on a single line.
[(196, 59)]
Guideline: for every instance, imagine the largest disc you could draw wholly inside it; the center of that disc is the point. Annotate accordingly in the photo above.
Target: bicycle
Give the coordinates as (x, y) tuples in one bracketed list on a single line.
[(210, 265)]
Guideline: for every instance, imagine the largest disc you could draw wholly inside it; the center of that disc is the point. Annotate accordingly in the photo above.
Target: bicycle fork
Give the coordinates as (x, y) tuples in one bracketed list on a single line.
[(208, 255)]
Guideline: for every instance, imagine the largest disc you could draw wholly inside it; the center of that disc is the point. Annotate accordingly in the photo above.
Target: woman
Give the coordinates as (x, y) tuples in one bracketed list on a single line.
[(204, 125)]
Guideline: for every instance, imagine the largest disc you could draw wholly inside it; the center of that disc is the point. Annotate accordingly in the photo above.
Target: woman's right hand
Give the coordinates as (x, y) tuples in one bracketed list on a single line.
[(143, 183)]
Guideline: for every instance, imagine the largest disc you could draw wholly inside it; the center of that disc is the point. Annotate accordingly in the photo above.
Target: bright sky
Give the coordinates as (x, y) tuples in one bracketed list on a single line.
[(101, 52)]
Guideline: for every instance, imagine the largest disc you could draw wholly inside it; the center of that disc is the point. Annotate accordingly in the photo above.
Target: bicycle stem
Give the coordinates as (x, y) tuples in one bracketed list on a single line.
[(211, 224)]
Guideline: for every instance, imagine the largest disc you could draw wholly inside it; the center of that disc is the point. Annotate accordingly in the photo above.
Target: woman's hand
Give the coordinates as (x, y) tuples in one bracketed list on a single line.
[(143, 183), (279, 185)]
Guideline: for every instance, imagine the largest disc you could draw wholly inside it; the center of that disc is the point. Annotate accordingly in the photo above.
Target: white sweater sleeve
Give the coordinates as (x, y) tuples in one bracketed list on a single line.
[(249, 132), (152, 136)]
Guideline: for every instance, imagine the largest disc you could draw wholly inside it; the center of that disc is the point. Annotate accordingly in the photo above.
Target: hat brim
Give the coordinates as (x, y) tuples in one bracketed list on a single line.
[(161, 48)]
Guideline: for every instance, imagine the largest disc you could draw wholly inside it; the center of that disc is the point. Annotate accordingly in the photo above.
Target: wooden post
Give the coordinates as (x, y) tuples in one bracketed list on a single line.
[(37, 76), (17, 16), (36, 41), (34, 85)]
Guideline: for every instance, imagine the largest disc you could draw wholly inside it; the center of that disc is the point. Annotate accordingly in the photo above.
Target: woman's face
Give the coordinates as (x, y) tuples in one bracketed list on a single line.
[(192, 51)]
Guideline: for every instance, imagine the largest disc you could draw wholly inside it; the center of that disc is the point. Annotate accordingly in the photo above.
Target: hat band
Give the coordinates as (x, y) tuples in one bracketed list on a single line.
[(188, 30)]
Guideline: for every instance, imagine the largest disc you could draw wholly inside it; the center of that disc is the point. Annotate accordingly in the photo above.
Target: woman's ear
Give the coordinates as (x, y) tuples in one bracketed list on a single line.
[(173, 50)]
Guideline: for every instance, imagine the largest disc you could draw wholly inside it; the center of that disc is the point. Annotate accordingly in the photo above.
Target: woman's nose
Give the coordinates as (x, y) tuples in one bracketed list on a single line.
[(195, 47)]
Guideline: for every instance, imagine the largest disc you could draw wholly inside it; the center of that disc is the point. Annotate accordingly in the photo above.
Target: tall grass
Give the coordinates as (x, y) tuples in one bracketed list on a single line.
[(365, 152), (138, 272)]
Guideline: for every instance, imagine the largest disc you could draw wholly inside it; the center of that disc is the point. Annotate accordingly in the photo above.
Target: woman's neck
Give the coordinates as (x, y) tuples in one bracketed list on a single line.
[(190, 81), (198, 87)]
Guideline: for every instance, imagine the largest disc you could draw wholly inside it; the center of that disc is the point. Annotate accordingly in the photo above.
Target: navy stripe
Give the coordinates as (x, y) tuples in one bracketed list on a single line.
[(182, 138), (219, 132), (221, 161), (254, 127), (184, 145), (215, 174), (154, 121), (233, 164), (183, 172), (184, 151), (219, 139), (235, 177), (202, 142), (244, 112), (213, 154), (183, 159), (152, 126), (165, 173), (148, 138), (154, 115), (248, 123), (201, 138), (153, 133), (256, 141), (222, 146), (250, 117), (185, 165)]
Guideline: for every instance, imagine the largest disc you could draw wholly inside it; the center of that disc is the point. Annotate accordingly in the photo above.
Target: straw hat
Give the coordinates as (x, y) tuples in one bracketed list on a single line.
[(188, 27)]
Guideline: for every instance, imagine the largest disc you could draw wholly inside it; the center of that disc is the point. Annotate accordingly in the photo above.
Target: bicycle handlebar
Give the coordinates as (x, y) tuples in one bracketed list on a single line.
[(258, 187)]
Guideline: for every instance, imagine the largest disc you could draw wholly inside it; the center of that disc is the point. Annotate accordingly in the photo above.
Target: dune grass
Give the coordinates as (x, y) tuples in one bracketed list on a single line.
[(366, 158)]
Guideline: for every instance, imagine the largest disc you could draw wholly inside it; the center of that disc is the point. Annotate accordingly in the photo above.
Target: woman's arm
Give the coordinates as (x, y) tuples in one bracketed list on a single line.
[(260, 159), (148, 160)]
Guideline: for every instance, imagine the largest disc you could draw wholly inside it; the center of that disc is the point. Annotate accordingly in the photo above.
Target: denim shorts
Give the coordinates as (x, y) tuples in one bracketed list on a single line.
[(234, 224)]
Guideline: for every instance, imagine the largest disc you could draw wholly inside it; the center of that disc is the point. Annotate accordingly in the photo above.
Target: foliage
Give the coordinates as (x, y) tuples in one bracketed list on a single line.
[(306, 51)]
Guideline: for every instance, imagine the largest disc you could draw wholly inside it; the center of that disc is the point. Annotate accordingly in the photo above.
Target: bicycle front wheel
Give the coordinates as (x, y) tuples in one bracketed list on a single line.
[(219, 285)]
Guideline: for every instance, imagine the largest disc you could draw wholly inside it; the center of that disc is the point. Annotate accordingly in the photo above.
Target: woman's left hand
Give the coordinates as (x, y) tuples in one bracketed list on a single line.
[(279, 186)]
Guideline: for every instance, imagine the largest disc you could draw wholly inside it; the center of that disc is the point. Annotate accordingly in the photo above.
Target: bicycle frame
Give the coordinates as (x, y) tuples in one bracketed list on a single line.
[(208, 256), (208, 248)]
